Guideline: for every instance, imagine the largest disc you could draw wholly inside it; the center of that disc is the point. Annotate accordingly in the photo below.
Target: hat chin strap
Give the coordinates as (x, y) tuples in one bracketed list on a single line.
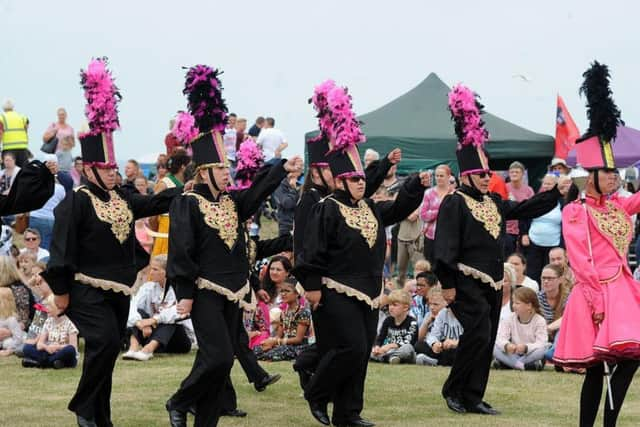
[(596, 181), (346, 188), (99, 180), (213, 180)]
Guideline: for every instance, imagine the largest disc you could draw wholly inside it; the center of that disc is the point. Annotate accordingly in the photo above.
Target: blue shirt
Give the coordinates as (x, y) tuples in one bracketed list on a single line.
[(547, 229)]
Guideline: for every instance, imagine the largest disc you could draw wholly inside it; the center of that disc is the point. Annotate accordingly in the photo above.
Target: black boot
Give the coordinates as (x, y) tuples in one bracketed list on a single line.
[(319, 412), (176, 418), (85, 422), (266, 381)]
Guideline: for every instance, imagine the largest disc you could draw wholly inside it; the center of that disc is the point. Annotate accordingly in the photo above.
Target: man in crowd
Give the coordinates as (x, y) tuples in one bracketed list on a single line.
[(370, 155), (271, 140), (13, 133), (254, 131)]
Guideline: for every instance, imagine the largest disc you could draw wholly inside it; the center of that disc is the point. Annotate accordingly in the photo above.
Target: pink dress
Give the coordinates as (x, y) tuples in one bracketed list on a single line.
[(604, 284)]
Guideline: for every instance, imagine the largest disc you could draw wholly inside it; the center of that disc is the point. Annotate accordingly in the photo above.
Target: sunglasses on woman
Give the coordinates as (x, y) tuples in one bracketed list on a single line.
[(355, 179)]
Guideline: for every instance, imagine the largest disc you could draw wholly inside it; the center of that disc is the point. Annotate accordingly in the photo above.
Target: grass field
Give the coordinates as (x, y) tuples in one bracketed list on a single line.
[(395, 396)]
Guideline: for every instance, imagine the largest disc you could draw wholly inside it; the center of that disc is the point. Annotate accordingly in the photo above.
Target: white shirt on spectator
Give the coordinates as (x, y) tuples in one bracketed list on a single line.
[(47, 210), (229, 140), (270, 139), (42, 253), (528, 282)]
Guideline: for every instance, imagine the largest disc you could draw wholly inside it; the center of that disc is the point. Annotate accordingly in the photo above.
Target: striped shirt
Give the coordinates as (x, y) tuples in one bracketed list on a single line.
[(547, 311)]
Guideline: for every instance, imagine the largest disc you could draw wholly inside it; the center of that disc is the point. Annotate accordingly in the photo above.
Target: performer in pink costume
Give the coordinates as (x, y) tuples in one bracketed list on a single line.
[(600, 321)]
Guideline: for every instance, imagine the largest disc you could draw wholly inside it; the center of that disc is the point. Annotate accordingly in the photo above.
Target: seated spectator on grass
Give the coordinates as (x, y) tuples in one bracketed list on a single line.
[(425, 281), (421, 266), (57, 344), (32, 242), (558, 256), (552, 299), (398, 334), (522, 338), (259, 328), (410, 287), (293, 331), (436, 303), (25, 263), (11, 278), (443, 337), (519, 263), (508, 281), (153, 318), (276, 272), (11, 333), (41, 292)]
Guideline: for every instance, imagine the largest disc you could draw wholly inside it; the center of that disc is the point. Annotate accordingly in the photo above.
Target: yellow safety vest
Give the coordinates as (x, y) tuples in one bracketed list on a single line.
[(15, 131)]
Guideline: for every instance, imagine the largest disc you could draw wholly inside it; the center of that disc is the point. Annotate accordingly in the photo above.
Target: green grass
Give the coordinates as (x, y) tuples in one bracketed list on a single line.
[(395, 396)]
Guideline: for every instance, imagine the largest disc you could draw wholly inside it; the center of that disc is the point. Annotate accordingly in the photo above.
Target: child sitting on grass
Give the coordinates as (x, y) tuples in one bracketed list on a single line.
[(522, 337), (57, 344), (41, 291), (399, 332), (11, 333), (443, 336)]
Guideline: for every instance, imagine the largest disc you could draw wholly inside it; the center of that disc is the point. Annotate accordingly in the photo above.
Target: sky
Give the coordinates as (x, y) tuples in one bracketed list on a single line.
[(274, 53)]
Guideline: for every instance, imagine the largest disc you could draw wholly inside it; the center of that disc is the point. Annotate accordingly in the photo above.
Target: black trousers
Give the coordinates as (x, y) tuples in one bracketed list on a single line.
[(101, 318), (215, 322), (477, 307), (348, 330), (592, 392), (537, 258), (250, 366)]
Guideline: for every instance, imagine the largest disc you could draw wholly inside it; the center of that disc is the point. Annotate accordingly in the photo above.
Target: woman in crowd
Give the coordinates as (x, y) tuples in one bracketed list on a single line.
[(508, 285), (553, 298), (9, 172), (175, 178), (543, 233), (11, 278), (293, 331), (161, 172), (32, 244), (59, 129), (431, 204), (522, 337), (152, 317), (519, 263), (277, 271), (11, 331)]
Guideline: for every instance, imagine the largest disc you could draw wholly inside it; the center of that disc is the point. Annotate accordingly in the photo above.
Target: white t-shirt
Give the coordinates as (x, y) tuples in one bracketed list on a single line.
[(229, 140), (42, 253), (528, 282), (269, 139), (47, 210)]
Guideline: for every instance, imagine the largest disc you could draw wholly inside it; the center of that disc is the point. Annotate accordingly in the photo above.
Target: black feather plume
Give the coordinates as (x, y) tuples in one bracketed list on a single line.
[(602, 112)]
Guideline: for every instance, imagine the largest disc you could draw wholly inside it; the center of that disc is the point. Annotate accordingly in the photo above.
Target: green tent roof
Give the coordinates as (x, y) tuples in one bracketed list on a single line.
[(420, 124)]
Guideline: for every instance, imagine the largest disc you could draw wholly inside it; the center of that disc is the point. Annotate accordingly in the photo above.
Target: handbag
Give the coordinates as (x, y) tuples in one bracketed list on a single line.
[(50, 145)]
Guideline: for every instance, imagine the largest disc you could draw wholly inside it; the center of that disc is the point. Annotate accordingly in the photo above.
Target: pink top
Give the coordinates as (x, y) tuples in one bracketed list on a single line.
[(533, 334), (60, 133), (429, 212), (610, 232), (517, 194)]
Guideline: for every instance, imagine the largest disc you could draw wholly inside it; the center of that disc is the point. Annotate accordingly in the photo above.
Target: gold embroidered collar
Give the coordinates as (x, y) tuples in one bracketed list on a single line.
[(485, 212), (614, 223), (115, 211), (360, 218), (221, 216)]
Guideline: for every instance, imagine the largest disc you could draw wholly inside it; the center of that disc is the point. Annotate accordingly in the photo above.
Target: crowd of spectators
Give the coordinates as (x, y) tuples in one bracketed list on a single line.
[(415, 326)]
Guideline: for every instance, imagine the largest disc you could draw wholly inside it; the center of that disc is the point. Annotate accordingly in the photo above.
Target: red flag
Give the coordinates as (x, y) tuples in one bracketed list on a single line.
[(566, 130)]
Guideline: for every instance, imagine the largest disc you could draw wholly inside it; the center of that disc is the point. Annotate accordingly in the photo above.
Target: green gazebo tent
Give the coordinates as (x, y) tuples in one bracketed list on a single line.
[(419, 123)]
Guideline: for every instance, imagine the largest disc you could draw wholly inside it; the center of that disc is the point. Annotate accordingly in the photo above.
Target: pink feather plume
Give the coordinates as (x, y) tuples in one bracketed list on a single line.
[(345, 127), (184, 128), (466, 112), (102, 97)]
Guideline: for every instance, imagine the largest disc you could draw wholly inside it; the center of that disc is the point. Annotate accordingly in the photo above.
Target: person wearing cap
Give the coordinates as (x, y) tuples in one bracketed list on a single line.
[(319, 183), (340, 268), (468, 255), (13, 133), (559, 166), (599, 326), (95, 256), (207, 260)]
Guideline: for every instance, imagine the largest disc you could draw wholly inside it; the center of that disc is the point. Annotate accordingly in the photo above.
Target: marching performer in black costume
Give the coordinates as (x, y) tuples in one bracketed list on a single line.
[(341, 270), (208, 263), (468, 254), (319, 183), (95, 256)]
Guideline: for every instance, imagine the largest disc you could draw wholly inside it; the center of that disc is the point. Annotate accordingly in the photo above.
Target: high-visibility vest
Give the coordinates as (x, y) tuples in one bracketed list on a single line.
[(14, 126)]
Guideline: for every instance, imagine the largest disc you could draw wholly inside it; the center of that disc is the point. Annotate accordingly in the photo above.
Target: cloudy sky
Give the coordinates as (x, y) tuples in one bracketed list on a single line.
[(273, 53)]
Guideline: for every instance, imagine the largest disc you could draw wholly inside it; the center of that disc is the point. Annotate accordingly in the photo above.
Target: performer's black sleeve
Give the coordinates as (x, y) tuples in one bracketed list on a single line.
[(268, 247), (182, 265), (264, 184), (63, 251), (534, 207), (32, 187), (375, 174), (307, 200), (408, 200), (144, 206), (447, 241), (313, 263), (384, 330)]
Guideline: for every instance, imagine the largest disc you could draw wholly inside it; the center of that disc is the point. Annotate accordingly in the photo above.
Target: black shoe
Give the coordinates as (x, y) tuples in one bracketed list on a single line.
[(85, 422), (58, 364), (233, 413), (176, 418), (356, 421), (30, 363), (455, 405), (482, 408), (319, 412), (266, 381)]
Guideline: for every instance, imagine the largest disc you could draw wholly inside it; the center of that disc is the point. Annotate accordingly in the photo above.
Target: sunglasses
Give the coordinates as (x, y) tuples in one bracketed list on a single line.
[(30, 239), (484, 174), (355, 179)]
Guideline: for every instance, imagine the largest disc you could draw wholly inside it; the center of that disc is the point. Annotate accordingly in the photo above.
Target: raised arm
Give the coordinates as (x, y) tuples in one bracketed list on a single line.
[(33, 186), (631, 204), (408, 200), (534, 207), (144, 206), (264, 184)]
